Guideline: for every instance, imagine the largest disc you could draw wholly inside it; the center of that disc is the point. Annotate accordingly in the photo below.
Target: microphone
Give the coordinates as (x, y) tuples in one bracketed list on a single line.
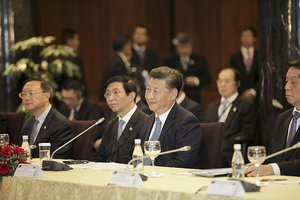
[(56, 166), (184, 148)]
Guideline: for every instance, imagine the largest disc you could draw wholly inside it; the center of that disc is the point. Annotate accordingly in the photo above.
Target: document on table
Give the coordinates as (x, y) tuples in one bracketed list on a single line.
[(212, 172), (100, 166)]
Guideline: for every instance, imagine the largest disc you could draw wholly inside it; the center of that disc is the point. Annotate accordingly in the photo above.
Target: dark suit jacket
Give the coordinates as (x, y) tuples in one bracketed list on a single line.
[(248, 80), (120, 151), (289, 163), (181, 128), (55, 129), (241, 121), (197, 67), (3, 126), (193, 107), (150, 59), (88, 111)]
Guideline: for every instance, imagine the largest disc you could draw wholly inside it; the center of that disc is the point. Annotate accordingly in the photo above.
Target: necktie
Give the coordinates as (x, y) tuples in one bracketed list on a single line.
[(157, 130), (248, 61), (34, 132), (293, 129), (224, 106), (120, 128)]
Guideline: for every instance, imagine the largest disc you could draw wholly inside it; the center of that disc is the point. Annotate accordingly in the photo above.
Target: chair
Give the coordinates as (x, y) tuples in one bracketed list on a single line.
[(212, 138), (14, 121), (83, 145)]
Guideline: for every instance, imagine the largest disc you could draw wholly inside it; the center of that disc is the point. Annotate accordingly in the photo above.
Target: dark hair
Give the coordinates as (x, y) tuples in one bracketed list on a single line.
[(251, 29), (45, 86), (173, 77), (120, 42), (144, 27), (128, 84), (73, 84), (236, 73), (294, 63), (182, 38), (67, 34)]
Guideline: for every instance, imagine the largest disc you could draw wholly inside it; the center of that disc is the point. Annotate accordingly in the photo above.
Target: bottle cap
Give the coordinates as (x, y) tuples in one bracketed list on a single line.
[(137, 141), (44, 144), (25, 137), (237, 146)]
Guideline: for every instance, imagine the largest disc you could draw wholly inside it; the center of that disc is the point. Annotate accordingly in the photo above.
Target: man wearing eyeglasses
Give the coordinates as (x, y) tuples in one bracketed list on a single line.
[(118, 138), (46, 124)]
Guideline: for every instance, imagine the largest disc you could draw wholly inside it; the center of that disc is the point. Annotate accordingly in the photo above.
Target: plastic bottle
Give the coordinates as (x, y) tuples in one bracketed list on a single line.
[(138, 164), (26, 147), (237, 163)]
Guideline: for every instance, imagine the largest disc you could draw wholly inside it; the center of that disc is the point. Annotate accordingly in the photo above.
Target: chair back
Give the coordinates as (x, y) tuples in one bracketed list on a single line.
[(14, 122), (83, 145), (212, 138)]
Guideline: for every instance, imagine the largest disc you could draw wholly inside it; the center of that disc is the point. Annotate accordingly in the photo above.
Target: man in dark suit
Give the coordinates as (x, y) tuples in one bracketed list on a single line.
[(286, 131), (193, 66), (170, 124), (75, 106), (46, 124), (118, 139), (238, 114), (246, 61), (143, 56), (189, 104)]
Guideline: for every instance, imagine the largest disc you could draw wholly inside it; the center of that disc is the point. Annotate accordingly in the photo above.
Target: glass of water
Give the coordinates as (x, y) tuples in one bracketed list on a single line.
[(152, 149), (44, 152), (257, 155), (4, 138)]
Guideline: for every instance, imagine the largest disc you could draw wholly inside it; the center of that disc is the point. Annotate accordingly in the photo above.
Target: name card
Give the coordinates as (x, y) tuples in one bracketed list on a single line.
[(226, 188), (28, 170), (125, 178)]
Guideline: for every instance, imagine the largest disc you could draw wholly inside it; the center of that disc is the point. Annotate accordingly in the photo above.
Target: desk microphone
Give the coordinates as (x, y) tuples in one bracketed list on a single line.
[(57, 166)]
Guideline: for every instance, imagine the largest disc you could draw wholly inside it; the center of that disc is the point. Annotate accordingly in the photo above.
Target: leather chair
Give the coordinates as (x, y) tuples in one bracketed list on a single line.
[(14, 122), (212, 138), (83, 145)]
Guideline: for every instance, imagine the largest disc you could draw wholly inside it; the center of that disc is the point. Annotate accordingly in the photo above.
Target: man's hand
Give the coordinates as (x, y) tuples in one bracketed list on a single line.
[(264, 170), (97, 143)]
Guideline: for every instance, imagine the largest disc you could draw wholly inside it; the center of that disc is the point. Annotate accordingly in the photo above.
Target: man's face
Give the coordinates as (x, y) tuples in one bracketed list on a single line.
[(184, 49), (247, 39), (117, 99), (34, 98), (158, 96), (127, 50), (74, 42), (140, 36), (292, 87), (226, 83), (71, 98)]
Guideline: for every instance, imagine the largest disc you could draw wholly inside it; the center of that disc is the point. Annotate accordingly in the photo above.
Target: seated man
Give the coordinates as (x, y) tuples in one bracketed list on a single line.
[(46, 124), (286, 131), (238, 114), (171, 124), (118, 138), (75, 106), (3, 126)]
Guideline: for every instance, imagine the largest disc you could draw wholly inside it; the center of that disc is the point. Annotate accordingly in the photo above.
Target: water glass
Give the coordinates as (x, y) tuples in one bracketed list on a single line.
[(4, 138), (152, 149), (257, 155), (44, 152)]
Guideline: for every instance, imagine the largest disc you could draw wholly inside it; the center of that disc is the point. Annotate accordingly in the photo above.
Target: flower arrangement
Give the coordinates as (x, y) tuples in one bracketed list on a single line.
[(10, 157)]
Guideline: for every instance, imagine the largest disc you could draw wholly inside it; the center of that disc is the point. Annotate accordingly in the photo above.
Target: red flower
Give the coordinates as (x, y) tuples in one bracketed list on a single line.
[(4, 168), (6, 151), (18, 150), (22, 161)]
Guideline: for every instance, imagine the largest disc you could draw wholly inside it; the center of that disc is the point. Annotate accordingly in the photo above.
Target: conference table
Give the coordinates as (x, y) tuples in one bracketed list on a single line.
[(176, 183)]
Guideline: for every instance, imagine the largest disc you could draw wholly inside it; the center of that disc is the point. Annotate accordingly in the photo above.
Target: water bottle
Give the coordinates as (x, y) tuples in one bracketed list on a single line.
[(26, 147), (237, 163), (138, 164)]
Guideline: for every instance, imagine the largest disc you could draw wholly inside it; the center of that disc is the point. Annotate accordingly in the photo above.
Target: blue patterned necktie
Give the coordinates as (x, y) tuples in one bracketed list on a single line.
[(157, 130), (120, 128), (293, 129), (34, 132)]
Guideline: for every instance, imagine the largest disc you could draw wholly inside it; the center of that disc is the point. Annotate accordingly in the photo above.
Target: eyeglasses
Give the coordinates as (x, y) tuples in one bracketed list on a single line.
[(115, 93), (29, 94)]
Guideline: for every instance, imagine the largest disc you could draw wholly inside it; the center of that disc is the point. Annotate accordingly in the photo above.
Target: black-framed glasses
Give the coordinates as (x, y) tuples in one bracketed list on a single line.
[(29, 94)]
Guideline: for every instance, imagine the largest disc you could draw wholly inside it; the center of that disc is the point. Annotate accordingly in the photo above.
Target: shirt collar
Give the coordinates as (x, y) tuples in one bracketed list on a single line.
[(245, 50), (43, 116), (295, 110), (127, 117), (231, 98), (79, 105), (163, 117), (139, 48)]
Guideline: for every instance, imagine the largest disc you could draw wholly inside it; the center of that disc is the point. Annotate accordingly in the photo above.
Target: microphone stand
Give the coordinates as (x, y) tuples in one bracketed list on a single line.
[(56, 166)]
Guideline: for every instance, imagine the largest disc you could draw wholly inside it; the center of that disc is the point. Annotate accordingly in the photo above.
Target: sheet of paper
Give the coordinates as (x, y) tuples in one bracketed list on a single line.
[(212, 172), (100, 166)]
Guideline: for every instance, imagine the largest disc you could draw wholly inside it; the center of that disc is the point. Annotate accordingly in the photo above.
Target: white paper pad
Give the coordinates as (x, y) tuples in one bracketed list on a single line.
[(212, 172), (100, 166)]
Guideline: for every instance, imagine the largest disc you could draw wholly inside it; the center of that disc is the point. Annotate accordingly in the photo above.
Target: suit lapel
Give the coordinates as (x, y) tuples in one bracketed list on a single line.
[(295, 139), (168, 123), (232, 112)]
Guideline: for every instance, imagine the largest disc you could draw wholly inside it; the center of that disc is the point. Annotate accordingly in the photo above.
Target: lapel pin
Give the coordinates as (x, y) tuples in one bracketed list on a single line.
[(45, 127), (234, 109), (130, 128)]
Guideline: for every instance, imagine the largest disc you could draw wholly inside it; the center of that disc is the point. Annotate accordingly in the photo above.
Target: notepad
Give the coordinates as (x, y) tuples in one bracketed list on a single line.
[(212, 172)]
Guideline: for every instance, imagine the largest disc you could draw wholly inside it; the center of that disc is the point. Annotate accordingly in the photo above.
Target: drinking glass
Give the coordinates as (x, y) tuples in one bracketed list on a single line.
[(4, 138), (44, 152), (257, 155), (152, 149)]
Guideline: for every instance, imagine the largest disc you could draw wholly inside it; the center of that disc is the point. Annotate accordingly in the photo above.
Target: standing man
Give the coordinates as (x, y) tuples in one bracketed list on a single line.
[(75, 106), (46, 124), (193, 66), (171, 124), (118, 139), (246, 61), (238, 114), (286, 131)]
